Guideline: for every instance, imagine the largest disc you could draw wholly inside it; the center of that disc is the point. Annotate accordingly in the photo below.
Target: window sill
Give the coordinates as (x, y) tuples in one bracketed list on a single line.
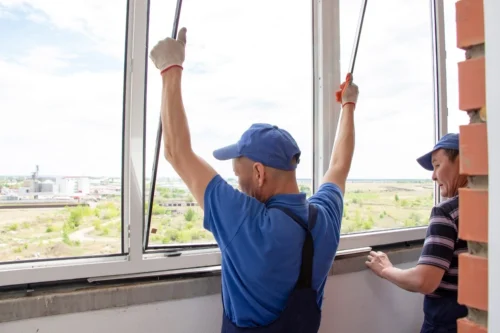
[(50, 301)]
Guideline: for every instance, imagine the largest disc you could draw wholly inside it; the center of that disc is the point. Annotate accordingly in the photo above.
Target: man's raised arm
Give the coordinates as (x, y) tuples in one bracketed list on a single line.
[(343, 150), (168, 56)]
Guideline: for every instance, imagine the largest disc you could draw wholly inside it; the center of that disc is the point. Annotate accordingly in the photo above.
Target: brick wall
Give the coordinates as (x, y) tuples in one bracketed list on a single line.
[(473, 266)]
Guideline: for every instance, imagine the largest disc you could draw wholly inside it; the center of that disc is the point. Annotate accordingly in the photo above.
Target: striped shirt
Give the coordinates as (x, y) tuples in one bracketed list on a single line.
[(442, 246)]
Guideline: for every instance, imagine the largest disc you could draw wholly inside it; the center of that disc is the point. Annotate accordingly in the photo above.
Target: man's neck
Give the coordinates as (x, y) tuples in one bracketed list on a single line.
[(290, 187)]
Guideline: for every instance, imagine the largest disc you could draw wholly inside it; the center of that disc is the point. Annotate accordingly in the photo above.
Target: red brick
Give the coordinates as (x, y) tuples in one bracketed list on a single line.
[(471, 84), (473, 213), (473, 149), (469, 15), (473, 281), (467, 326)]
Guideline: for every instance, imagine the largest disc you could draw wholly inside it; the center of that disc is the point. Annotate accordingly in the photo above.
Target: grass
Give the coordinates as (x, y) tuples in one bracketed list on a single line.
[(377, 206), (368, 206), (31, 233), (179, 225)]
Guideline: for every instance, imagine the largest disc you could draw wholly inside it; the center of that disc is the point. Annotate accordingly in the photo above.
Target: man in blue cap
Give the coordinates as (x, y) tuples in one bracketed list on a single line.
[(277, 246), (436, 274)]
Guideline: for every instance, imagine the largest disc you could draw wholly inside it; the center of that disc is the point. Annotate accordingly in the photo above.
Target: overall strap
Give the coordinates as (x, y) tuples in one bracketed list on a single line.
[(306, 267)]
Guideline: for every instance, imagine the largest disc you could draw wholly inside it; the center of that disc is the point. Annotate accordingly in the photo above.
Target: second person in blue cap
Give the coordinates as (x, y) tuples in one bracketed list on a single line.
[(436, 274)]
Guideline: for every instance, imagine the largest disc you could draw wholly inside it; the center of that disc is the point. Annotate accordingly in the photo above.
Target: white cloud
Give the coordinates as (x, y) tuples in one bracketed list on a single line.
[(244, 65), (5, 15), (66, 123), (101, 21), (248, 64)]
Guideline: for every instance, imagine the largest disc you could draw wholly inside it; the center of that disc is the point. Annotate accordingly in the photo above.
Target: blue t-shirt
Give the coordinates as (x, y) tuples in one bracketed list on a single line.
[(262, 249)]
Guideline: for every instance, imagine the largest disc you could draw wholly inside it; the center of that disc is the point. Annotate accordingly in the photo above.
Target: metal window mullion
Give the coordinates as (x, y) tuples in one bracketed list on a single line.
[(135, 128), (156, 156), (126, 131), (439, 76), (326, 112)]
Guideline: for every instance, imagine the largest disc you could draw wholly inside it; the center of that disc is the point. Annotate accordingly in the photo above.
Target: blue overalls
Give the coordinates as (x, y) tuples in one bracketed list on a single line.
[(301, 313), (441, 315)]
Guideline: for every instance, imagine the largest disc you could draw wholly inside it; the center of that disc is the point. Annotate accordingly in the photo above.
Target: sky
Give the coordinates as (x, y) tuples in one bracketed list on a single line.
[(61, 81)]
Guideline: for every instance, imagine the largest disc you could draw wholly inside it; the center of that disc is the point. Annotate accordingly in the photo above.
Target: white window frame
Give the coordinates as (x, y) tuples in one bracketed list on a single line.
[(399, 235), (135, 261), (439, 70), (326, 113)]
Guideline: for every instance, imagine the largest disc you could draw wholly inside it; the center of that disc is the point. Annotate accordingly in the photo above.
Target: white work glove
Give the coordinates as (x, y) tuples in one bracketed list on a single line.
[(348, 93), (169, 52)]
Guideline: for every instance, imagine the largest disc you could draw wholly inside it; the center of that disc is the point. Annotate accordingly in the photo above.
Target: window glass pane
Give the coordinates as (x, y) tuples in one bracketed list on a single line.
[(61, 96), (394, 117), (239, 70), (454, 55)]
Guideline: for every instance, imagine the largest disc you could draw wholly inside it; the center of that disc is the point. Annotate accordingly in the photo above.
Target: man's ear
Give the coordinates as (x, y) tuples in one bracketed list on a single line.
[(259, 173)]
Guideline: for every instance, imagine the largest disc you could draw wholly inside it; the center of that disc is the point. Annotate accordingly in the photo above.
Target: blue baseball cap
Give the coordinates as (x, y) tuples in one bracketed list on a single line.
[(448, 141), (264, 143)]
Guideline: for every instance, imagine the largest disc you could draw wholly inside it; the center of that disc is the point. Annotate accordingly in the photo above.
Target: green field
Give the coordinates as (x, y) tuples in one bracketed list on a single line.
[(40, 233), (375, 206)]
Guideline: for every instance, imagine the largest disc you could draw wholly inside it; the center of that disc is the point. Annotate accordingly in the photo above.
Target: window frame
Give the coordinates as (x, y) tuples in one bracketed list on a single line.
[(326, 113), (440, 79), (440, 122)]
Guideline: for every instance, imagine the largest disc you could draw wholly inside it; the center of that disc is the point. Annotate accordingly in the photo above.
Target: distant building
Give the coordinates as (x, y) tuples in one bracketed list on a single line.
[(10, 197), (72, 185), (178, 204), (66, 185), (24, 190), (29, 186), (48, 186), (83, 185)]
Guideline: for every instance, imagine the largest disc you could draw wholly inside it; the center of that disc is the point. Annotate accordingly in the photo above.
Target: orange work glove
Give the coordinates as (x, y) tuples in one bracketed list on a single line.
[(348, 93)]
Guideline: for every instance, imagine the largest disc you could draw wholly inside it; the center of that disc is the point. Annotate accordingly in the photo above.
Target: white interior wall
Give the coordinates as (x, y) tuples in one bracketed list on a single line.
[(355, 302), (492, 31)]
